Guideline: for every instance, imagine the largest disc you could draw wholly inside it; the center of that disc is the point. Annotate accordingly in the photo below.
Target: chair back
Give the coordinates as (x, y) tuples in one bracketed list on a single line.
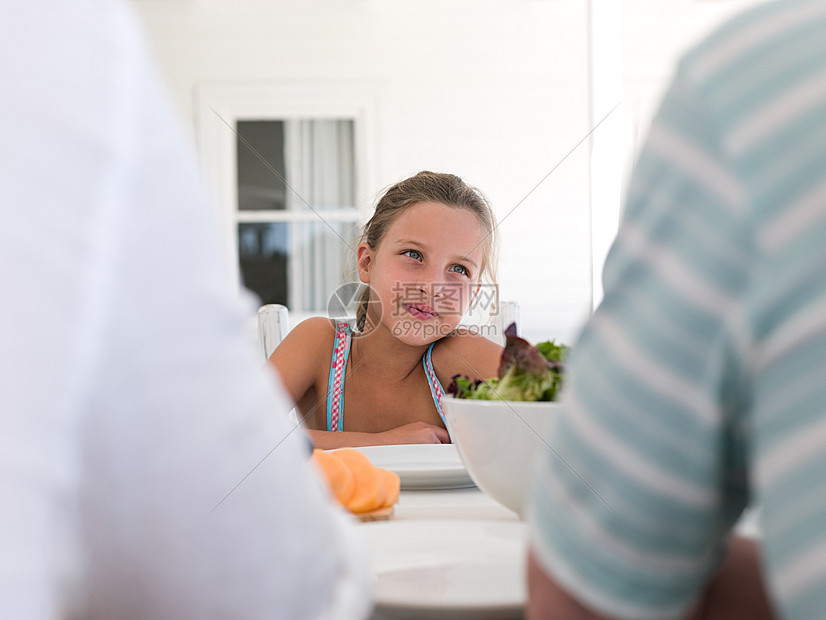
[(492, 322), (273, 325), (506, 313)]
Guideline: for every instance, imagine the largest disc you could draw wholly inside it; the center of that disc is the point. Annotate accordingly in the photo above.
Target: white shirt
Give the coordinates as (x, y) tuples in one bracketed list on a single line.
[(130, 402)]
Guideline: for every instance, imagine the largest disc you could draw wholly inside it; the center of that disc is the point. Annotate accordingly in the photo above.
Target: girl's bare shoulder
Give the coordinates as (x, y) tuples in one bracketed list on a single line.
[(465, 352), (313, 335)]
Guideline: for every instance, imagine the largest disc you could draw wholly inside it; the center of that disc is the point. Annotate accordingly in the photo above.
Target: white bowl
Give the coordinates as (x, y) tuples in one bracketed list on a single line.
[(498, 442)]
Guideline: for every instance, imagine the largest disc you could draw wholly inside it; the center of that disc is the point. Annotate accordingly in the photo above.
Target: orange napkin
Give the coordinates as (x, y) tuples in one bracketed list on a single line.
[(361, 487)]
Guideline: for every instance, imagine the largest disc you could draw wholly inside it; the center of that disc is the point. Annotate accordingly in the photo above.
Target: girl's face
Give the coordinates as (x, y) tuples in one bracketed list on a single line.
[(424, 272)]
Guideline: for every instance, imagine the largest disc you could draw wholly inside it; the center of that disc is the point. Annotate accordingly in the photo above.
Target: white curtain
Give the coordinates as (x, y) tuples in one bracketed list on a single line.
[(322, 157)]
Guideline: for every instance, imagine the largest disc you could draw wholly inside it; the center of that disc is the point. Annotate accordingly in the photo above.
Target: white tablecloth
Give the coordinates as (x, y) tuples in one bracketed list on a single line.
[(450, 504), (466, 504)]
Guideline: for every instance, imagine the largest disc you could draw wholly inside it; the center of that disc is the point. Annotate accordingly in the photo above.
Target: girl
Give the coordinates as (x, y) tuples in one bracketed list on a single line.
[(422, 255)]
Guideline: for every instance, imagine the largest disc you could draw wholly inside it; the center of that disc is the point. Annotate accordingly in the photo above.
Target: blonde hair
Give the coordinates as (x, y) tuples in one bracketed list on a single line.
[(446, 189)]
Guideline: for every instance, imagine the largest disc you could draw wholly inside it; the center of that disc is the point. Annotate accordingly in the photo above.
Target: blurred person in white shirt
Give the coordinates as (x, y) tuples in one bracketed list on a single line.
[(131, 403)]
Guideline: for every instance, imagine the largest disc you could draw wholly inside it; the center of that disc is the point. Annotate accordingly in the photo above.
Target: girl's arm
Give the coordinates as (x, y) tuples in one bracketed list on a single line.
[(297, 357), (415, 432)]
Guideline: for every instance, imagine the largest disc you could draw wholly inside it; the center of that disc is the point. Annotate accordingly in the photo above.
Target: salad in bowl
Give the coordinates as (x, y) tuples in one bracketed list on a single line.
[(502, 424)]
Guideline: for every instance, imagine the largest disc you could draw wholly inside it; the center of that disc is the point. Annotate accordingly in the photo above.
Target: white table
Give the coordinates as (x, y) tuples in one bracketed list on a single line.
[(470, 503), (440, 506), (473, 504)]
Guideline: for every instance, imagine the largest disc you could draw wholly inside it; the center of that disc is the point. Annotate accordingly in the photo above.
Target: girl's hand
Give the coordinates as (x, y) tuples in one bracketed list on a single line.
[(415, 432)]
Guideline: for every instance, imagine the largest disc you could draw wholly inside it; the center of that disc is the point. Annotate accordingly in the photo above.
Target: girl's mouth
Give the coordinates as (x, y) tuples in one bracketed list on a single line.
[(421, 311)]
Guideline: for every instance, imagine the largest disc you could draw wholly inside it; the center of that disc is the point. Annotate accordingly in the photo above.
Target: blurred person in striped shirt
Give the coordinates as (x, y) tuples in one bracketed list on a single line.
[(699, 385)]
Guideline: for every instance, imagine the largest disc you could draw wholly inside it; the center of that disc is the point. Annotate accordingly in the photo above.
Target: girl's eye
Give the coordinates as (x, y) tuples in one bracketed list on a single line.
[(414, 254), (460, 269)]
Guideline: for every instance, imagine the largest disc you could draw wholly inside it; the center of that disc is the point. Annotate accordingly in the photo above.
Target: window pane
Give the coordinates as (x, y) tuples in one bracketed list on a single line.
[(298, 264), (315, 156), (322, 163), (263, 251), (261, 183), (322, 255)]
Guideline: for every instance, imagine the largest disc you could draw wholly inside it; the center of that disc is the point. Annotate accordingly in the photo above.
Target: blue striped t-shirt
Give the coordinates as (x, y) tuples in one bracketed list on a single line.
[(699, 385)]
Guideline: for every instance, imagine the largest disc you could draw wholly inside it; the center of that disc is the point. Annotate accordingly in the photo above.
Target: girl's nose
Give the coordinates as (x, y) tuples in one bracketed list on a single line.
[(437, 289), (432, 285), (430, 289)]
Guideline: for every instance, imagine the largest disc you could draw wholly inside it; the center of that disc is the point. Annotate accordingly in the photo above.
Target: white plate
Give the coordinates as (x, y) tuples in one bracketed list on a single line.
[(422, 466), (448, 568)]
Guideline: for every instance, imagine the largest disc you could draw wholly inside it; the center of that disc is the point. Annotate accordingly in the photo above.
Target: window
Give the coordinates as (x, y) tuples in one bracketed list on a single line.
[(290, 166), (296, 214)]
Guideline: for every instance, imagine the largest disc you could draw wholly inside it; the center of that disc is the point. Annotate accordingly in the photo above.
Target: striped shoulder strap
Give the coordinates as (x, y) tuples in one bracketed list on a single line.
[(435, 387), (335, 383)]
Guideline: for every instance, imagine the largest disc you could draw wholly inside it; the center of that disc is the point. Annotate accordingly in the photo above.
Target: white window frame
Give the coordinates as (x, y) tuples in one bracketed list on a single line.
[(220, 106)]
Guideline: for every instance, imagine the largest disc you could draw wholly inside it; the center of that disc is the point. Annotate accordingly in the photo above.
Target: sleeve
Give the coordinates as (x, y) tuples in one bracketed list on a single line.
[(198, 498), (646, 474)]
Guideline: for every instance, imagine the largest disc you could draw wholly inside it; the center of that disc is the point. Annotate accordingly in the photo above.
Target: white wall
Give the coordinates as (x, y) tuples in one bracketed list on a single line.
[(496, 91), (493, 90), (635, 45), (655, 33)]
